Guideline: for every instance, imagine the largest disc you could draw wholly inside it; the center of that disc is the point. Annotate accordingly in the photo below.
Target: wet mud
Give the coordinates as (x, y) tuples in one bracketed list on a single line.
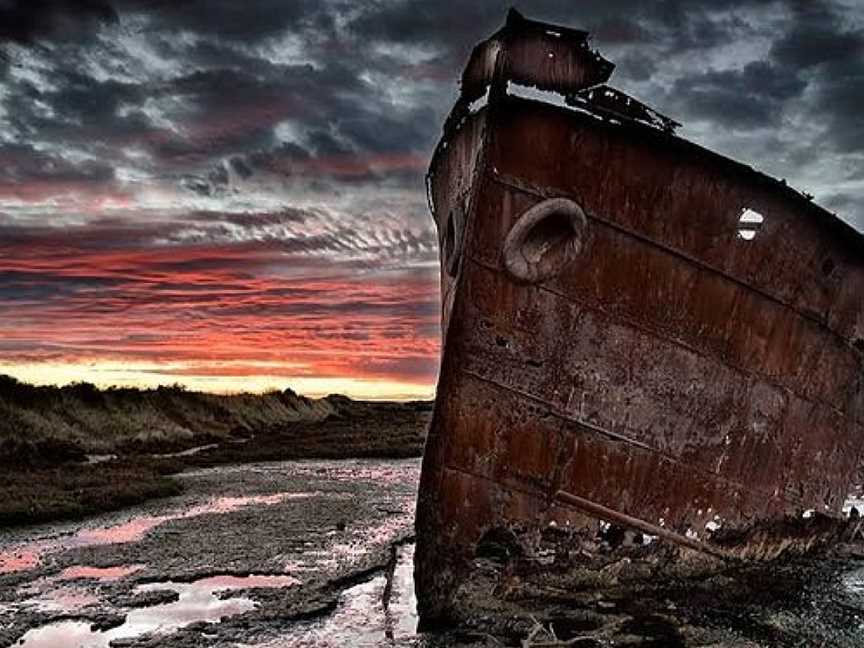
[(240, 557), (320, 553)]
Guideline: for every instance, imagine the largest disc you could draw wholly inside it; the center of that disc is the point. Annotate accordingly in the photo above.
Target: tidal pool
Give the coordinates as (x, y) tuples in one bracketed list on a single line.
[(378, 613), (29, 555), (198, 601), (242, 541)]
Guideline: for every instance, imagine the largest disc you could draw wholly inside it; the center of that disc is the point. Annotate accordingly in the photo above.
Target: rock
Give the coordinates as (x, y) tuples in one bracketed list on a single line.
[(107, 621), (127, 642), (149, 599)]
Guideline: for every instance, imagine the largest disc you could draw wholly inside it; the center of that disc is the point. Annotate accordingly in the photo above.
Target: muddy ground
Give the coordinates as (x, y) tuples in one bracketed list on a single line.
[(319, 553), (304, 531)]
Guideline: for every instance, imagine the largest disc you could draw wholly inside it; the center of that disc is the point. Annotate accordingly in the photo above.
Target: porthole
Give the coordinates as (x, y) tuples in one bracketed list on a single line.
[(749, 224), (544, 240)]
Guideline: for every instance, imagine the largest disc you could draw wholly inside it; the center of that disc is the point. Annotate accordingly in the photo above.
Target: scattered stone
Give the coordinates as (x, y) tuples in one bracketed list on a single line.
[(105, 622), (149, 599), (123, 643)]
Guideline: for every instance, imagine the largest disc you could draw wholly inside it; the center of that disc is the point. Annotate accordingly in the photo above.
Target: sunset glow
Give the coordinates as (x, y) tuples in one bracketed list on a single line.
[(231, 195)]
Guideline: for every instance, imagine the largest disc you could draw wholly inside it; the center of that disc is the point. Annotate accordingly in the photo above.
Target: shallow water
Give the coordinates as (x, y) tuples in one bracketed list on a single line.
[(854, 583), (115, 551), (29, 555), (91, 459), (68, 592), (98, 573), (365, 617), (198, 601), (66, 599), (187, 453)]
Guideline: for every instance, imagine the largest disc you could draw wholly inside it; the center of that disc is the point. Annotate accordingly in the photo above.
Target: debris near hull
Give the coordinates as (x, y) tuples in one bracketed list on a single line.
[(652, 353)]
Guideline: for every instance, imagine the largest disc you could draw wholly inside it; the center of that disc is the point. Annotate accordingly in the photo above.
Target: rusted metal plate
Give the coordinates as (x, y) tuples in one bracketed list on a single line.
[(538, 55), (653, 392), (632, 280), (614, 103), (690, 200), (678, 348)]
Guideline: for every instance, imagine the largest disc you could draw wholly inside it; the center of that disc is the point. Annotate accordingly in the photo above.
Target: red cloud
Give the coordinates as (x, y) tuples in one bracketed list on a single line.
[(246, 309)]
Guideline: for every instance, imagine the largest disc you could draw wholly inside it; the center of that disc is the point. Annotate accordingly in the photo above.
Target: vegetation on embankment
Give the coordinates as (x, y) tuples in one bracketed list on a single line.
[(47, 424), (47, 433)]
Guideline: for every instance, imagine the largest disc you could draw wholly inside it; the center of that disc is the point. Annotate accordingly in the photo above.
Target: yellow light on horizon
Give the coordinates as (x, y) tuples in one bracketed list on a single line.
[(104, 373)]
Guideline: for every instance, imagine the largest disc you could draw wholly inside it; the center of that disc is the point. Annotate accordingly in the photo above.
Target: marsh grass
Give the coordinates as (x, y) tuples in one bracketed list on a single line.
[(32, 495), (46, 434), (45, 424)]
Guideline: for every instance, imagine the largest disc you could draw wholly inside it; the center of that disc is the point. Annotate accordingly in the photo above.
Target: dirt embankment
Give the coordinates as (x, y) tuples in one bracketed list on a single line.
[(49, 434)]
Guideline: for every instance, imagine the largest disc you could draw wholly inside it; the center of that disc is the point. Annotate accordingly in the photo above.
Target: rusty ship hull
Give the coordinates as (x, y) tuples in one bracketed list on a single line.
[(637, 332)]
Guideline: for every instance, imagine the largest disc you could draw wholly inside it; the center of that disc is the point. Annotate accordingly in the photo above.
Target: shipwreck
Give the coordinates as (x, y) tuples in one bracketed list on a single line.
[(648, 348)]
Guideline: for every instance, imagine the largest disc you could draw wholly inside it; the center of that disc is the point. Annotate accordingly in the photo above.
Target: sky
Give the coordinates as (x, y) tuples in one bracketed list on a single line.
[(229, 194)]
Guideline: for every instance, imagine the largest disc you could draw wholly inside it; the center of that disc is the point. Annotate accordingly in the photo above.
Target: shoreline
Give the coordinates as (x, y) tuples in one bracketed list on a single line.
[(71, 487)]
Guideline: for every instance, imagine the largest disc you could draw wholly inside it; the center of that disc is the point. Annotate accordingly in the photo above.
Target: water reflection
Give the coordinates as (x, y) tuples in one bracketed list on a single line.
[(66, 599), (854, 582), (369, 615), (99, 573), (29, 555), (56, 594), (187, 453), (346, 548), (198, 601)]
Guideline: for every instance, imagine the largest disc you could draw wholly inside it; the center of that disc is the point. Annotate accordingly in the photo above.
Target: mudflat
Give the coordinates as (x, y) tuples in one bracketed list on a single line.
[(268, 548)]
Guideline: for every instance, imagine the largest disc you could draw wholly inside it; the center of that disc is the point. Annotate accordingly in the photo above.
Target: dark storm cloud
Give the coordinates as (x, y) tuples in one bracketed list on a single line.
[(22, 162), (222, 89), (834, 59), (240, 167), (229, 107), (25, 21), (234, 240), (383, 133), (77, 109), (32, 241), (283, 217), (233, 20), (274, 158), (751, 97), (673, 25), (636, 68), (86, 100), (35, 286), (846, 203), (828, 39)]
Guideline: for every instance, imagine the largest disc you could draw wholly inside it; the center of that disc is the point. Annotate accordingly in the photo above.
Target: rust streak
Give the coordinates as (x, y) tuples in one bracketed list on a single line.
[(620, 438), (609, 515)]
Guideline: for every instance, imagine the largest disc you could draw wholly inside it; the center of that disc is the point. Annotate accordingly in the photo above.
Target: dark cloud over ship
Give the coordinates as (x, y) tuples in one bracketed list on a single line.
[(216, 156)]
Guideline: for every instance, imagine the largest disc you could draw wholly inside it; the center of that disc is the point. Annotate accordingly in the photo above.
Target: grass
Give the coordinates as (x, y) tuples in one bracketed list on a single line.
[(45, 424), (32, 495)]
